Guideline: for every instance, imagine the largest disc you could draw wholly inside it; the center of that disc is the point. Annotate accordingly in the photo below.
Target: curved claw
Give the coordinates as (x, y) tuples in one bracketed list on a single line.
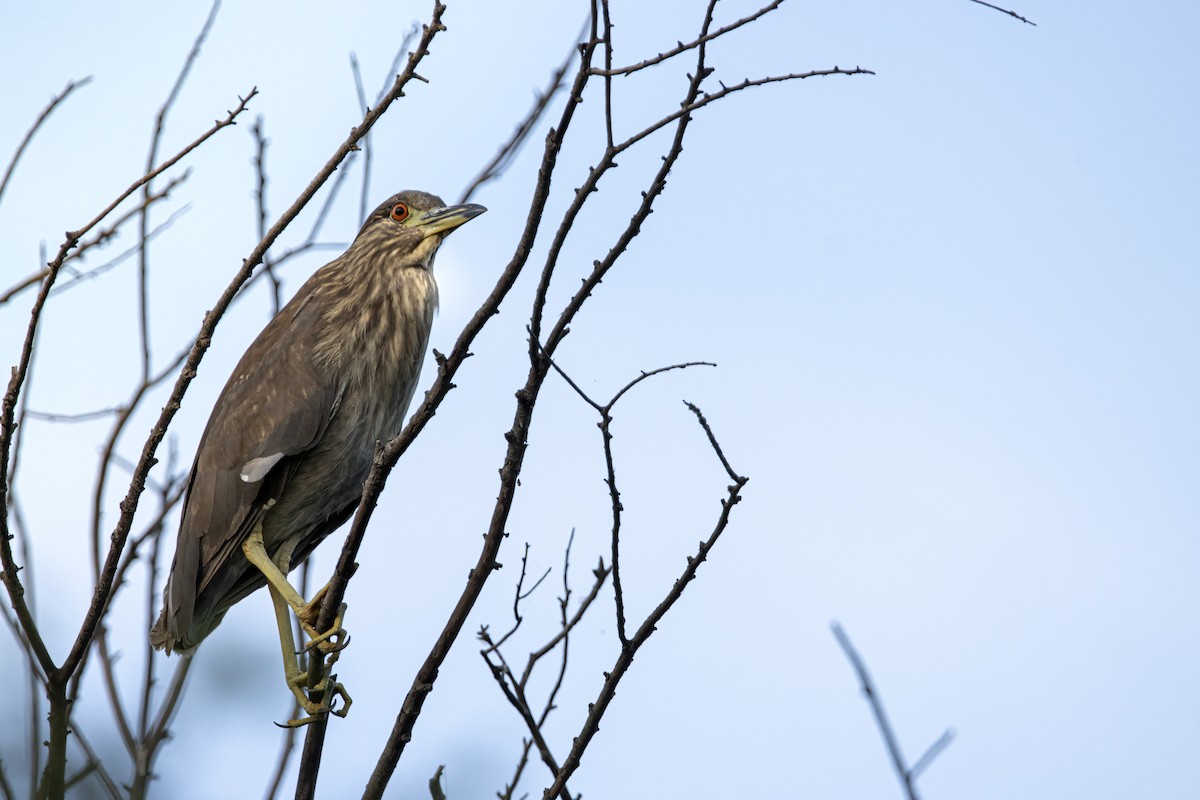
[(318, 710), (333, 640), (329, 643)]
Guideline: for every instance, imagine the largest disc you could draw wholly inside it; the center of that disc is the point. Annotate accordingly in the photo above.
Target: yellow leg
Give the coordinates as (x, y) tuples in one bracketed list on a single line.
[(307, 611), (284, 596)]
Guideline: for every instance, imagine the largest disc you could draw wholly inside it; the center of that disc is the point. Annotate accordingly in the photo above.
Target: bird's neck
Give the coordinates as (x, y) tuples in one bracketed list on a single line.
[(376, 322)]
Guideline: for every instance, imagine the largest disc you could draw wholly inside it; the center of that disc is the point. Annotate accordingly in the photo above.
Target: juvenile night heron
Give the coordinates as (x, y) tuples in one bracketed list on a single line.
[(290, 441)]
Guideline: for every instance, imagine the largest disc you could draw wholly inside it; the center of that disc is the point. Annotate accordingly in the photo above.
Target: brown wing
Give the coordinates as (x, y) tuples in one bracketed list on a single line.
[(276, 404)]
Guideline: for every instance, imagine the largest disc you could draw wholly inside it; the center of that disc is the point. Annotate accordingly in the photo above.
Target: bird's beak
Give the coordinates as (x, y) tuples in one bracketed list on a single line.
[(444, 220)]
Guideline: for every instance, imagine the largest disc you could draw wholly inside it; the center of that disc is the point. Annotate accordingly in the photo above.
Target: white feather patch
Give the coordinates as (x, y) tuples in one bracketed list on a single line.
[(257, 468)]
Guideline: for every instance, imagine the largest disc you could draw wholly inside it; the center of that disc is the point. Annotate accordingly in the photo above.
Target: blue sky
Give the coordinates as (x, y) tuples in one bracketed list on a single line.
[(954, 311)]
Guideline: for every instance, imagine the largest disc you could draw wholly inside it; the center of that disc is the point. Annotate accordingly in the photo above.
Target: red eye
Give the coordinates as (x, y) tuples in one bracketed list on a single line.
[(400, 212)]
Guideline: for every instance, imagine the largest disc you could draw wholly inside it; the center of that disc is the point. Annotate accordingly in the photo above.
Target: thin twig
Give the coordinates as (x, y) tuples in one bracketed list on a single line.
[(610, 479), (607, 72), (516, 436), (1005, 11), (518, 596), (931, 753), (102, 237), (260, 203), (601, 574), (5, 787), (597, 709), (514, 690), (101, 773), (169, 494), (93, 273), (707, 98), (109, 457), (365, 195), (680, 47), (905, 774), (160, 122), (33, 129), (511, 148), (12, 583), (310, 759)]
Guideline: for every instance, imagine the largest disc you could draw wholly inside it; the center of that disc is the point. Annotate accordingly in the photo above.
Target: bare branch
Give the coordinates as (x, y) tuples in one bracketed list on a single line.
[(12, 583), (385, 460), (706, 98), (260, 202), (514, 690), (683, 48), (906, 775), (931, 753), (101, 238), (1005, 11), (204, 339), (601, 574), (607, 72), (612, 678), (95, 272), (315, 736), (106, 781), (160, 122), (511, 148), (5, 787), (46, 112), (364, 199), (108, 454)]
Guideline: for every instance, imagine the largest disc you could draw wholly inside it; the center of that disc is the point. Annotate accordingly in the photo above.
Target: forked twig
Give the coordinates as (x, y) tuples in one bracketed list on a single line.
[(514, 689), (610, 479), (906, 774)]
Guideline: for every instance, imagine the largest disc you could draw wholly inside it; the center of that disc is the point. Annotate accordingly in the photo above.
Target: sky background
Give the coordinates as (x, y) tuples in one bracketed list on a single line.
[(954, 309)]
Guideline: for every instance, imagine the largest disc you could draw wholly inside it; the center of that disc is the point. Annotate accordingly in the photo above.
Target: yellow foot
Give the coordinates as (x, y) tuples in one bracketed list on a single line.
[(333, 640), (331, 690)]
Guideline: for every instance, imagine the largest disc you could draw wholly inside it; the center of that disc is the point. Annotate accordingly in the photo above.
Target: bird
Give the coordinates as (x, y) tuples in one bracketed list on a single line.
[(291, 437)]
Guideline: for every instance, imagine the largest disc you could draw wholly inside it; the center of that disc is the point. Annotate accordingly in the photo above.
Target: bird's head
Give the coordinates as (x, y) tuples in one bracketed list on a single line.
[(407, 228)]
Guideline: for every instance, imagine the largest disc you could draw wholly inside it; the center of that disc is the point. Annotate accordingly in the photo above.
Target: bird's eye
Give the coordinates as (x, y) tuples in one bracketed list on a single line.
[(400, 212)]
